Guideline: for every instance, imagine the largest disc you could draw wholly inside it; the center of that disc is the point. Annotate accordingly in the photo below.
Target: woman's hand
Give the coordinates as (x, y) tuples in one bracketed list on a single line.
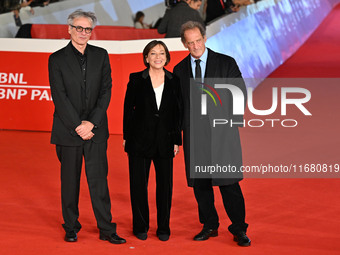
[(176, 149), (124, 141)]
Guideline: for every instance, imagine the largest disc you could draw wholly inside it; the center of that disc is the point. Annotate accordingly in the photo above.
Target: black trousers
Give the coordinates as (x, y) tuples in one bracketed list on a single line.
[(96, 169), (139, 168), (233, 202)]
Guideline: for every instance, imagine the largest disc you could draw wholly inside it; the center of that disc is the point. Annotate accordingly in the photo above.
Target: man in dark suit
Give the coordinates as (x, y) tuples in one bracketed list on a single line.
[(203, 63), (174, 18), (80, 80)]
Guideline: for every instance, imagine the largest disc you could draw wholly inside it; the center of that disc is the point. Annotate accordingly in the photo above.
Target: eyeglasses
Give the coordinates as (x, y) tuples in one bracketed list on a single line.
[(80, 29)]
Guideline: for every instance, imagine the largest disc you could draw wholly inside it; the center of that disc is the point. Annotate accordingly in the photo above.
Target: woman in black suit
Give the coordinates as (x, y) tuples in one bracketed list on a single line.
[(152, 114)]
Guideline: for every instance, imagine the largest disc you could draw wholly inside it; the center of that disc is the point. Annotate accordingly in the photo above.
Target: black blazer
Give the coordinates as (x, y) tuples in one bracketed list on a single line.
[(148, 131), (218, 66), (66, 80), (174, 18)]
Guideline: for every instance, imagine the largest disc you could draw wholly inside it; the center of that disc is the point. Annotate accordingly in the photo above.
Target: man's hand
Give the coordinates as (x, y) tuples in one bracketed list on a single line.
[(89, 136), (84, 130), (176, 149)]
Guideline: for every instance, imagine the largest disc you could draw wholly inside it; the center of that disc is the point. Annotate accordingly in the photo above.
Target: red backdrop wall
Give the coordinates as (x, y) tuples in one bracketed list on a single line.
[(25, 98)]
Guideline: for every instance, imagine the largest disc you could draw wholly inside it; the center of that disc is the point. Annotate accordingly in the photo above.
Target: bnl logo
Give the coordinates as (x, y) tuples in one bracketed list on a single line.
[(239, 99)]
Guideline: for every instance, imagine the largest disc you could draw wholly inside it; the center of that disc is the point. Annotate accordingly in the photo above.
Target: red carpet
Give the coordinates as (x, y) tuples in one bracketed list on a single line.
[(286, 216)]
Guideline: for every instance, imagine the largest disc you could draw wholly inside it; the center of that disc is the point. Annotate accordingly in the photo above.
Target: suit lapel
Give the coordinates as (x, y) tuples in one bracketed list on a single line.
[(188, 66), (72, 62), (166, 96), (149, 89), (211, 67), (92, 65), (187, 70)]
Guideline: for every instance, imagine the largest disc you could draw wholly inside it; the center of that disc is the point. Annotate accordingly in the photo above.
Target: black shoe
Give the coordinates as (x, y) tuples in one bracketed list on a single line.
[(205, 234), (113, 238), (71, 236), (242, 239), (163, 237), (142, 236)]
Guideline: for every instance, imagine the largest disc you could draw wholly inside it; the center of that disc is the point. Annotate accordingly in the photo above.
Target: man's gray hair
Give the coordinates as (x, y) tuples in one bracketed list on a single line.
[(191, 25), (81, 14)]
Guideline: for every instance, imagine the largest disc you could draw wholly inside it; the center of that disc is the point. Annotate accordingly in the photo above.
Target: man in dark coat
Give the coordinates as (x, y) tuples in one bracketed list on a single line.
[(174, 18), (203, 63), (80, 80)]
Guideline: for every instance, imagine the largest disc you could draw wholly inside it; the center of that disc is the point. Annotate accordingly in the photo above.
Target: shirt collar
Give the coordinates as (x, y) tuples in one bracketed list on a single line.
[(77, 52), (203, 58)]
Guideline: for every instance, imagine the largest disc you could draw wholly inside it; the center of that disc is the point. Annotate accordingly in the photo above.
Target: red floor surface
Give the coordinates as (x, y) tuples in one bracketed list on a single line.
[(285, 216)]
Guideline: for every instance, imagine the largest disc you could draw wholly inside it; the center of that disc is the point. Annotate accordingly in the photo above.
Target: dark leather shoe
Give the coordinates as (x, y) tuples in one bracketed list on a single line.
[(163, 237), (242, 239), (71, 236), (142, 236), (205, 234), (113, 238)]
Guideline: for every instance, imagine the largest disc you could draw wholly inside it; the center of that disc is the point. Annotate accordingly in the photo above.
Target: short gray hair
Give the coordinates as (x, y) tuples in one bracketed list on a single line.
[(191, 25), (82, 14)]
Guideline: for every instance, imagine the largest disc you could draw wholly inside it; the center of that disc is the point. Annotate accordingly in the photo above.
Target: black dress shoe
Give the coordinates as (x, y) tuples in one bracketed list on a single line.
[(113, 238), (205, 234), (242, 239), (71, 236), (163, 237), (142, 236)]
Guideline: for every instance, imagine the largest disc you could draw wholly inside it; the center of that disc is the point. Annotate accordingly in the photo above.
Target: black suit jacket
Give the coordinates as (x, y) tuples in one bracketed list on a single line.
[(148, 131), (214, 10), (218, 66), (66, 80), (174, 18)]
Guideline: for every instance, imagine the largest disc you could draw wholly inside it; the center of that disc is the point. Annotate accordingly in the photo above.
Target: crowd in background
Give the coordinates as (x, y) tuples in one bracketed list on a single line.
[(216, 8), (16, 6), (179, 12)]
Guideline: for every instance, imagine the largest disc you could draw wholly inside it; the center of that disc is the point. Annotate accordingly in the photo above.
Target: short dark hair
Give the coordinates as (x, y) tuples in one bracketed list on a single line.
[(150, 46), (138, 16), (191, 25)]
